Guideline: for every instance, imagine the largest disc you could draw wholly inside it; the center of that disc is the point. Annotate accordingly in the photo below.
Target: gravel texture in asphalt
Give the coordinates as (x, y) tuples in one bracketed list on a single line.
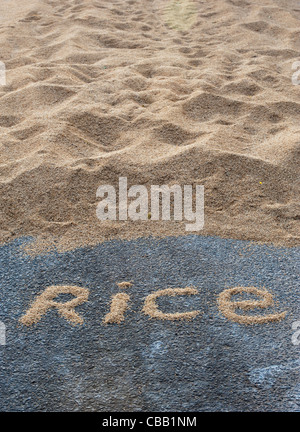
[(142, 364)]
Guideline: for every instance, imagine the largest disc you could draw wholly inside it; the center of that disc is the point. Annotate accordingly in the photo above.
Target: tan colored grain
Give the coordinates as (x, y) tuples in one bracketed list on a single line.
[(45, 301), (161, 92), (151, 308), (119, 304), (229, 307)]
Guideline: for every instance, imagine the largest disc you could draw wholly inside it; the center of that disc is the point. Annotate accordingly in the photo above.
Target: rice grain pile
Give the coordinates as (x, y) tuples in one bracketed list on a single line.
[(160, 92)]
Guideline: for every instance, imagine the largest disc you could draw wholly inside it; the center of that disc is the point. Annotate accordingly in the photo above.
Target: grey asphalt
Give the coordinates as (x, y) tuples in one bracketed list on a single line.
[(143, 364)]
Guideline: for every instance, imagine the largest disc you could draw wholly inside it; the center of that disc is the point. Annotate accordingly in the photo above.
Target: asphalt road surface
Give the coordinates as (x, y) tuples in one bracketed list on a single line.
[(142, 364)]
